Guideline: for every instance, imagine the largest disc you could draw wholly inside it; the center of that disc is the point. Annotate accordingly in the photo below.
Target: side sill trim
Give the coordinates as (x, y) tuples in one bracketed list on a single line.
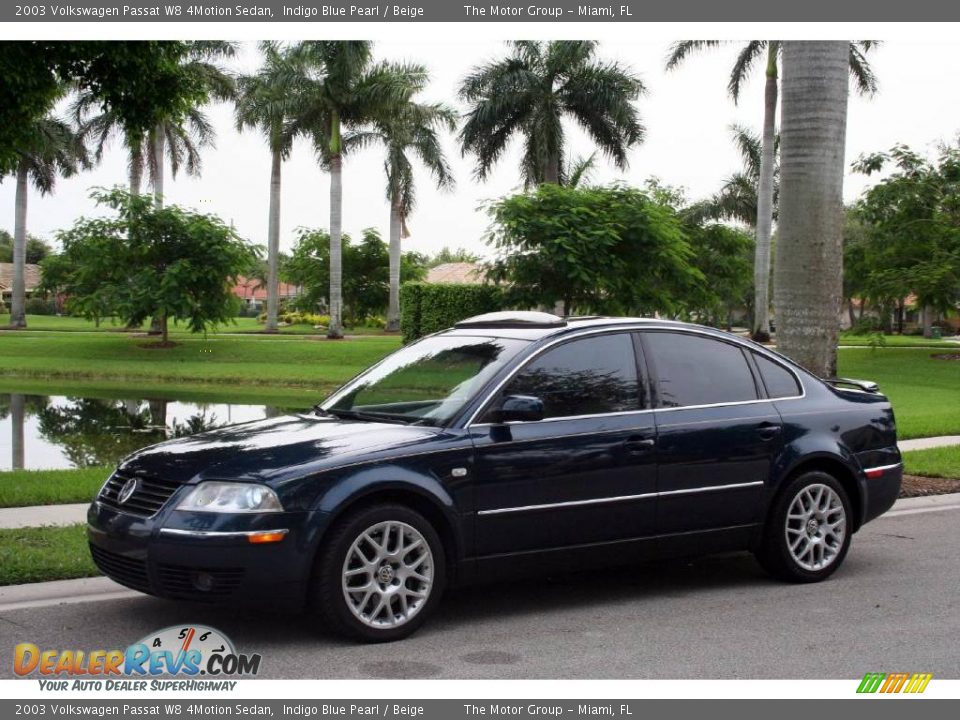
[(618, 498), (215, 533)]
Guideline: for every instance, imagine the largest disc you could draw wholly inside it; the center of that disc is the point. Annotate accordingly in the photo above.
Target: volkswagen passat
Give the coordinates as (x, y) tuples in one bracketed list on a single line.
[(512, 442)]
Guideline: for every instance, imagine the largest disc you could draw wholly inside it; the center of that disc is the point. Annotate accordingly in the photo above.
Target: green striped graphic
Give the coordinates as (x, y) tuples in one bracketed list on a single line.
[(871, 682)]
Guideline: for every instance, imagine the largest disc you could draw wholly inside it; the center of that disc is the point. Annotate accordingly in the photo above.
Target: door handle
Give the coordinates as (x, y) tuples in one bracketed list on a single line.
[(768, 431), (639, 444)]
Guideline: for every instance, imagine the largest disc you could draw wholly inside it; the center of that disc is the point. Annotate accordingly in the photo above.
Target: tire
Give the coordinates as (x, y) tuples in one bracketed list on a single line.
[(805, 538), (387, 604)]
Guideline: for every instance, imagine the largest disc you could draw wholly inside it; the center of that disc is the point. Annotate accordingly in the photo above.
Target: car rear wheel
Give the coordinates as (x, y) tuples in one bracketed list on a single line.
[(380, 574), (807, 533)]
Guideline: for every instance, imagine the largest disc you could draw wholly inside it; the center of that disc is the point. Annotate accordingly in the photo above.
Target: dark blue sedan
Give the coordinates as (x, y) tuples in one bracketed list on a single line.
[(512, 443)]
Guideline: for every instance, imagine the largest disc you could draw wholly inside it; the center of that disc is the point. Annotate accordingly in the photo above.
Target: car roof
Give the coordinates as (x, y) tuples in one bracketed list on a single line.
[(526, 330)]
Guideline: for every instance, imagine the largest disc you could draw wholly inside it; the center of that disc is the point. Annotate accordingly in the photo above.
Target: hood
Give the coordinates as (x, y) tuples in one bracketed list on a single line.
[(266, 449)]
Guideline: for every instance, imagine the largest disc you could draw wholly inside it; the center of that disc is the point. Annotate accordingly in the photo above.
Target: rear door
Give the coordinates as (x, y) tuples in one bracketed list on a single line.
[(717, 435)]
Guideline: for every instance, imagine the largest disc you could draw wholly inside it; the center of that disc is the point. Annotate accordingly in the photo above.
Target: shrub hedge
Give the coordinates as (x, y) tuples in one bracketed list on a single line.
[(429, 307)]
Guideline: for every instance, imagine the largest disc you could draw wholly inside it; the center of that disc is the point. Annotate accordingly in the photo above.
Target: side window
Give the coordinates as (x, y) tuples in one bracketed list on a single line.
[(779, 381), (697, 370), (589, 376)]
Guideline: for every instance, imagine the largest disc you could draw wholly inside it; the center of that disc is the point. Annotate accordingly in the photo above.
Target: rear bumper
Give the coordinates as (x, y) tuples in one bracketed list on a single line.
[(881, 485), (203, 557)]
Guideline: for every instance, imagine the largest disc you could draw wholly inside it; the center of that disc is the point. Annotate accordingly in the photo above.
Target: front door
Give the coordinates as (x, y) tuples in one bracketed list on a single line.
[(583, 475)]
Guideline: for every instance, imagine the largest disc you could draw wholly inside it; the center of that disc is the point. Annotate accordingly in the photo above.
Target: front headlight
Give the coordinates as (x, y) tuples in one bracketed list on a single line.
[(229, 497)]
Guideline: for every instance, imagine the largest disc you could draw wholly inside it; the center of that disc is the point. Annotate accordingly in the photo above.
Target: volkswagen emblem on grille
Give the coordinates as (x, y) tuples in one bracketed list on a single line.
[(128, 489)]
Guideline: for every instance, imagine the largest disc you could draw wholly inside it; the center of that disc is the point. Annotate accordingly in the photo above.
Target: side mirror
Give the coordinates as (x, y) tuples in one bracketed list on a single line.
[(525, 408)]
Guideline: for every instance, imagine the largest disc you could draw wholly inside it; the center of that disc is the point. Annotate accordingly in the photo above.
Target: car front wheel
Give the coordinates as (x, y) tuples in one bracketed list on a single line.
[(380, 574), (807, 533)]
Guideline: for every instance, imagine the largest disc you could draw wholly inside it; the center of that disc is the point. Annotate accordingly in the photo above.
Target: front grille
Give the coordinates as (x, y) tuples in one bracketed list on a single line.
[(121, 568), (147, 499), (179, 581)]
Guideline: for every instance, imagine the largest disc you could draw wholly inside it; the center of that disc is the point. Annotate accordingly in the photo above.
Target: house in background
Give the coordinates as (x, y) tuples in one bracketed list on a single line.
[(32, 276), (253, 292), (461, 273)]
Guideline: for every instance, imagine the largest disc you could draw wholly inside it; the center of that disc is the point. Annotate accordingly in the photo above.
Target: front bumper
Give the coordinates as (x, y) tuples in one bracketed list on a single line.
[(206, 557)]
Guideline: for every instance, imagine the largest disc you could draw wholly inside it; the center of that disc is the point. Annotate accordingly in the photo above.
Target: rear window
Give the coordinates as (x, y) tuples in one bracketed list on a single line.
[(779, 381)]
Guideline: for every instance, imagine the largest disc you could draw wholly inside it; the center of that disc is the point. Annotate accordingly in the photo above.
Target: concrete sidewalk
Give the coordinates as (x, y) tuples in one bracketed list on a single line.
[(37, 515), (927, 443)]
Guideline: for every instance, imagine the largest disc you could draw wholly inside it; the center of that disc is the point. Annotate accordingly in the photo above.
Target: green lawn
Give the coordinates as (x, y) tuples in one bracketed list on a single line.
[(248, 325), (45, 553), (936, 462), (20, 488), (925, 392), (280, 362)]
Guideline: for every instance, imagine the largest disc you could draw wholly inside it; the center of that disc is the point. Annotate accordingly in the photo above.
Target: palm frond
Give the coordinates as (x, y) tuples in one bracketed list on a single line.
[(743, 65), (679, 51)]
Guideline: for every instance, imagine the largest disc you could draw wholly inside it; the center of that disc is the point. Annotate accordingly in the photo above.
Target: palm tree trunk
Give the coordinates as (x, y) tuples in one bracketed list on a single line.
[(335, 330), (851, 314), (136, 172), (157, 149), (273, 244), (551, 173), (18, 317), (809, 271), (158, 325), (761, 263), (17, 413), (393, 307)]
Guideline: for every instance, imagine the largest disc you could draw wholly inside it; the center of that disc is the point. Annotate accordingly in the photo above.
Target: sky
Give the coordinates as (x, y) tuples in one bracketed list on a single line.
[(687, 114)]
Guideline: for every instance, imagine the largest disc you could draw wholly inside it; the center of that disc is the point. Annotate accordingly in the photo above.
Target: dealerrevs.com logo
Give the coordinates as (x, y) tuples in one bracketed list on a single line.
[(179, 651)]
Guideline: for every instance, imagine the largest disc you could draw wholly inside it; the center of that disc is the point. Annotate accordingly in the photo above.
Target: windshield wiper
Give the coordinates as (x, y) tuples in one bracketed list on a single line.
[(358, 415)]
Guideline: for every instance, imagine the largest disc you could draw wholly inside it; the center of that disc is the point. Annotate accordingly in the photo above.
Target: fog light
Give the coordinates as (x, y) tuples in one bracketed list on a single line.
[(203, 581)]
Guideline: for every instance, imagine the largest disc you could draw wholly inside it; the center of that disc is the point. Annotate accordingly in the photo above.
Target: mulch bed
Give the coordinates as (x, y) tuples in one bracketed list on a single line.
[(917, 486)]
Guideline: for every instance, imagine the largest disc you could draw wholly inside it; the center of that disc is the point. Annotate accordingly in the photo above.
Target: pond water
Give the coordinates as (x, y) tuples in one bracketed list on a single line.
[(41, 432)]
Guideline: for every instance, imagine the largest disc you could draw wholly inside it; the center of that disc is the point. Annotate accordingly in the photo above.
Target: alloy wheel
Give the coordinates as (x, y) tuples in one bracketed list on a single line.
[(816, 527), (388, 574)]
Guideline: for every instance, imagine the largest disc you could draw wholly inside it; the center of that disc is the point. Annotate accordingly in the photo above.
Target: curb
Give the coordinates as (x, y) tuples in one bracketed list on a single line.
[(62, 592)]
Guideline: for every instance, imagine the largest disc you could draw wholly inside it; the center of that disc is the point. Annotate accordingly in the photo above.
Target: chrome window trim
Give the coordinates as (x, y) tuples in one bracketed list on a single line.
[(883, 468), (632, 329), (218, 533), (618, 498)]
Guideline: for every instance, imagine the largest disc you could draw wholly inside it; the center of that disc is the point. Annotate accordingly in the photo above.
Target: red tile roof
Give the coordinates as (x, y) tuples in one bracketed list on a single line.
[(251, 289)]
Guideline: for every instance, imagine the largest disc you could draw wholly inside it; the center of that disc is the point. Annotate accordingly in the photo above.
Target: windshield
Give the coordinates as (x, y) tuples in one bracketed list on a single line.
[(426, 383)]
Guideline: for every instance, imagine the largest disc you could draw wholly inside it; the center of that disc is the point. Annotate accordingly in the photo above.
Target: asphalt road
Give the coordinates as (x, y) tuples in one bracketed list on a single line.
[(893, 606)]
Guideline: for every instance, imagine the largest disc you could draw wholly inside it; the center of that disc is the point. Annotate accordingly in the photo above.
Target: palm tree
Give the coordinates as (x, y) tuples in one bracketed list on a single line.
[(531, 91), (411, 131), (344, 90), (267, 101), (866, 83), (54, 150), (809, 284), (737, 198), (176, 140)]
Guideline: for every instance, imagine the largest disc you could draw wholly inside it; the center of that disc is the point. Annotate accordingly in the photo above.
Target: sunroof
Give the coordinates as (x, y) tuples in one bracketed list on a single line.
[(513, 318)]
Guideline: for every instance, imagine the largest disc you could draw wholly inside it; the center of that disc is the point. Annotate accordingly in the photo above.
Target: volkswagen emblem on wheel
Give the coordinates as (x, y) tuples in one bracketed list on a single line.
[(128, 489)]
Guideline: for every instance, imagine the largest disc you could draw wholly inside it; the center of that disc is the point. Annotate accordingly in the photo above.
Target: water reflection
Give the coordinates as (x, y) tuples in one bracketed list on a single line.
[(46, 432)]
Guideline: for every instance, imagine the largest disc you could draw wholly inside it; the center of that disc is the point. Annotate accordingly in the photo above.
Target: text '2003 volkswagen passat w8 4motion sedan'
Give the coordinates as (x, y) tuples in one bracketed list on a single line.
[(512, 442)]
